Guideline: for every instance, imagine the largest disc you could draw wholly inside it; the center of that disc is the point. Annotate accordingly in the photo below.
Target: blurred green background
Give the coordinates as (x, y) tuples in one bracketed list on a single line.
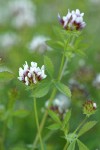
[(16, 34)]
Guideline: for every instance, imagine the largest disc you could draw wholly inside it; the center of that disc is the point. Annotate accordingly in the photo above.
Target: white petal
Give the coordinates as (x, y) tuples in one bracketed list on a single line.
[(43, 67), (77, 11), (94, 105), (20, 78), (69, 15), (21, 72), (65, 24), (25, 66), (29, 75), (73, 12), (33, 64), (82, 14)]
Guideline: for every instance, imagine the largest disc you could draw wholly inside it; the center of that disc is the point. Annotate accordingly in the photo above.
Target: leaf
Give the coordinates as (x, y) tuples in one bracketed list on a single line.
[(57, 46), (54, 116), (41, 90), (60, 44), (49, 66), (66, 118), (72, 146), (5, 75), (87, 127), (81, 145), (63, 89), (54, 126), (21, 113)]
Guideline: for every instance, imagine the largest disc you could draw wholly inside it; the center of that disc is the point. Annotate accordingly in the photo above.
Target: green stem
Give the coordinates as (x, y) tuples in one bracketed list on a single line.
[(64, 67), (61, 67), (50, 101), (37, 123), (80, 124), (44, 118), (66, 146)]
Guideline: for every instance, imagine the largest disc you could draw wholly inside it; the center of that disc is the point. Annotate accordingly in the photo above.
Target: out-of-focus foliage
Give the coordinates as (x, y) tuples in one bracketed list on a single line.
[(16, 33)]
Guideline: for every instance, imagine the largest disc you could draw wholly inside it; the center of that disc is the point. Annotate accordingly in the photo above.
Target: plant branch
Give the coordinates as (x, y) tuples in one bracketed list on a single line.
[(50, 101), (66, 146), (80, 124)]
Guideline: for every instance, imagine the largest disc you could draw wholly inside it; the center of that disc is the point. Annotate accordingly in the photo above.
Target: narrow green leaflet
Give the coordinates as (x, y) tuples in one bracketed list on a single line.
[(49, 66), (21, 113), (72, 146), (5, 75), (63, 89), (54, 126), (87, 127), (54, 116), (56, 46), (41, 90), (66, 118), (81, 145)]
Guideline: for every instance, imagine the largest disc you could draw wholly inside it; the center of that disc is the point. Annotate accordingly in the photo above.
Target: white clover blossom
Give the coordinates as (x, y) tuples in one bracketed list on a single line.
[(22, 13), (96, 81), (38, 43), (7, 40), (60, 104), (31, 74), (73, 20)]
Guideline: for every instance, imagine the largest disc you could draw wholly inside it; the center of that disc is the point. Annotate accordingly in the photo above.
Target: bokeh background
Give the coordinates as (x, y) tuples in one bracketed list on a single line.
[(25, 25)]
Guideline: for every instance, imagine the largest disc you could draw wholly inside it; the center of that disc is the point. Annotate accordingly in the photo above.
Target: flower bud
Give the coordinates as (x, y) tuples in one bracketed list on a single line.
[(89, 108)]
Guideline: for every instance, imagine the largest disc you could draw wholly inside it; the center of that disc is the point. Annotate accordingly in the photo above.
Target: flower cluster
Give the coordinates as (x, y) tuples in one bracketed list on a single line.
[(22, 13), (38, 44), (89, 108), (32, 74), (59, 105), (73, 20), (8, 40)]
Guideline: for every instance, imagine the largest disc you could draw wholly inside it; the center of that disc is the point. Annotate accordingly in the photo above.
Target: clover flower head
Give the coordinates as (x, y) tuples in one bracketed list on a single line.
[(7, 40), (31, 74), (22, 13), (38, 44), (60, 105), (73, 20), (89, 108)]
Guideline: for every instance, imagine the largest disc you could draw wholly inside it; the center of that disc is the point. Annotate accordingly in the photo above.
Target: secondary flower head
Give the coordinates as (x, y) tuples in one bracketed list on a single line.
[(31, 74), (89, 108), (73, 20), (59, 105), (38, 44)]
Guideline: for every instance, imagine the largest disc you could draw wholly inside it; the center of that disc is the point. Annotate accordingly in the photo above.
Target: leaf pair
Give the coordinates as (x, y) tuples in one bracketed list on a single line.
[(58, 123), (60, 86), (80, 145)]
